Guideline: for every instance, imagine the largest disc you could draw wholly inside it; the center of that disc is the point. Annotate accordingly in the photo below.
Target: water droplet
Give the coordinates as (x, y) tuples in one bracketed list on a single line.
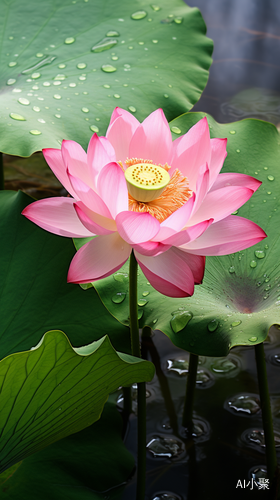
[(180, 366), (178, 20), (105, 44), (266, 247), (15, 116), (225, 365), (72, 85), (57, 96), (176, 130), (132, 109), (39, 54), (165, 95), (94, 128), (35, 75), (257, 473), (245, 404), (156, 8), (62, 66), (145, 294), (232, 132), (108, 68), (165, 447), (119, 297), (213, 325), (236, 323), (23, 101), (180, 320), (11, 81), (117, 96), (114, 58), (35, 132), (231, 269), (259, 254), (112, 33), (44, 62), (238, 150), (253, 263), (121, 277), (85, 110), (41, 120), (142, 302), (253, 339), (57, 115), (16, 90), (270, 177), (140, 14), (12, 64), (69, 40), (202, 377), (81, 65), (46, 84), (155, 321)]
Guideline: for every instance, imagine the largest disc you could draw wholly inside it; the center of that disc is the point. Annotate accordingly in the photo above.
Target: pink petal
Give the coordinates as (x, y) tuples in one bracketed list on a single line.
[(136, 227), (75, 159), (191, 151), (92, 226), (89, 197), (58, 216), (55, 161), (99, 153), (220, 203), (120, 131), (98, 259), (112, 188), (152, 139), (233, 179), (187, 235), (151, 248), (168, 273), (105, 222), (227, 236), (176, 221), (202, 186), (218, 155)]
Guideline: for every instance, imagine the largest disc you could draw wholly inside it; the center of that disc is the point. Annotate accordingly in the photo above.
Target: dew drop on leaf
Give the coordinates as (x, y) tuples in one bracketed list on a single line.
[(270, 177), (142, 302), (132, 109), (231, 269), (81, 65), (140, 14), (108, 68), (121, 277), (12, 64), (253, 263), (15, 116), (213, 325), (236, 323), (112, 33), (35, 75), (11, 81), (156, 8), (176, 130), (46, 84), (232, 132), (105, 44), (145, 294), (238, 150), (69, 40), (119, 297), (180, 320), (85, 110), (23, 101), (35, 132), (57, 96), (178, 20), (253, 339), (94, 128), (259, 254)]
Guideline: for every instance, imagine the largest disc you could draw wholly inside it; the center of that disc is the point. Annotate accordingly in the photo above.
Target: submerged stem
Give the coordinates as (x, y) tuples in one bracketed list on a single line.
[(1, 172), (141, 387), (190, 390), (270, 450)]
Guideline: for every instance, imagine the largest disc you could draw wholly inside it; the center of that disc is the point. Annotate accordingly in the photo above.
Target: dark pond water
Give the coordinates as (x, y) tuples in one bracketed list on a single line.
[(244, 82)]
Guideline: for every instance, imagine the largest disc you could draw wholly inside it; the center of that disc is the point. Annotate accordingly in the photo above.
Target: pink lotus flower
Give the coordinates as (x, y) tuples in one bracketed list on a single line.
[(177, 211)]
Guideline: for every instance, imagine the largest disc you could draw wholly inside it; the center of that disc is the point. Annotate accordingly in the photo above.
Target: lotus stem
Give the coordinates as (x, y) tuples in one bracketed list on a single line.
[(270, 451), (190, 391), (1, 172), (141, 387), (146, 331)]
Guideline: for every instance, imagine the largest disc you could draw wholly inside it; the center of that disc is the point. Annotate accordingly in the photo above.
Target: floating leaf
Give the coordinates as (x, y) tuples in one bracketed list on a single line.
[(59, 60), (238, 301), (81, 461), (55, 390)]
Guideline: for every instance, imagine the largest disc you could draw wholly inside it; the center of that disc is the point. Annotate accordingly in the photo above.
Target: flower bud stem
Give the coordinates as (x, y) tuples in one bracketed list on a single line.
[(141, 387)]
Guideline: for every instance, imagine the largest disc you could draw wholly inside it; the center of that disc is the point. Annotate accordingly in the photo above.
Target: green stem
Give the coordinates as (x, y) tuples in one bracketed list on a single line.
[(141, 387), (190, 390), (1, 172), (146, 331), (271, 459)]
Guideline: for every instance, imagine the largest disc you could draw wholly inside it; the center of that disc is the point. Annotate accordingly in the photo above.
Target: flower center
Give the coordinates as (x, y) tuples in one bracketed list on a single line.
[(146, 181)]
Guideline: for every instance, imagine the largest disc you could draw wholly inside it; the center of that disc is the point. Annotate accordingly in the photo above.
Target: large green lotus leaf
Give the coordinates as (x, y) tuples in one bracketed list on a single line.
[(65, 65), (55, 390), (240, 296), (35, 296), (82, 466)]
